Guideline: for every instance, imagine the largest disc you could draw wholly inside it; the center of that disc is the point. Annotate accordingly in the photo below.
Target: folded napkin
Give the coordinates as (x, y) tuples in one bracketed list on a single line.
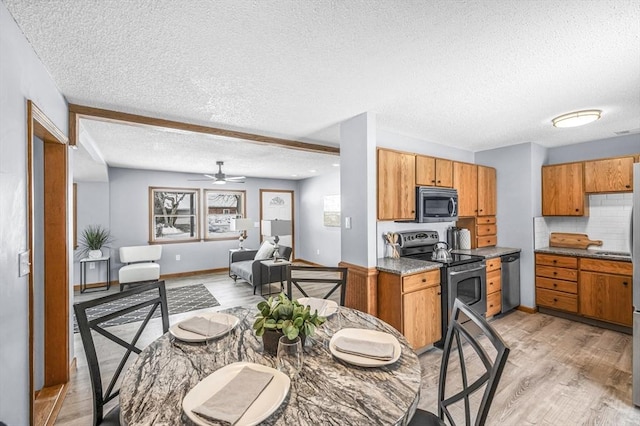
[(317, 304), (203, 326), (231, 402), (382, 351)]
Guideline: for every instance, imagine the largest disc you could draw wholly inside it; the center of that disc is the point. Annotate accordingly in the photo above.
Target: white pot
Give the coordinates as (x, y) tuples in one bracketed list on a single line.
[(95, 254)]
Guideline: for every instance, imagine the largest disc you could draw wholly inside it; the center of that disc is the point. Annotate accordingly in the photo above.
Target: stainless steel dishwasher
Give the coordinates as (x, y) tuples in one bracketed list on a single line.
[(510, 280)]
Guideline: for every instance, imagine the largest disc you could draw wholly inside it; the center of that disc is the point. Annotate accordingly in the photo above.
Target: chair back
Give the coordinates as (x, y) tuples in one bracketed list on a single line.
[(135, 254), (317, 281), (480, 367), (92, 314)]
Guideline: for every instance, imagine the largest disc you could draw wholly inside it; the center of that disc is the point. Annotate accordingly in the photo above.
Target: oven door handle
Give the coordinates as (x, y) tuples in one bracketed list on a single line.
[(467, 271)]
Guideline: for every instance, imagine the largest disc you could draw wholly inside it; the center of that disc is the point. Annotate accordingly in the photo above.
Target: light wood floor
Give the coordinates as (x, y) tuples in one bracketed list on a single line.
[(559, 372)]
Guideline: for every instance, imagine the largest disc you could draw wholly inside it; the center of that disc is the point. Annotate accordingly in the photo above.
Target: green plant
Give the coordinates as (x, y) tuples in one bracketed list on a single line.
[(289, 317), (94, 237)]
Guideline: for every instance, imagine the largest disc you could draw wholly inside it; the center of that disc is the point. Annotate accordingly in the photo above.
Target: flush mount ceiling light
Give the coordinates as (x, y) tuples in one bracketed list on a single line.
[(577, 118)]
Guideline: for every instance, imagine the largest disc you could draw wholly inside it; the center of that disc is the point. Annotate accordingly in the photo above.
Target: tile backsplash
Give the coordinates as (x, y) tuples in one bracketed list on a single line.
[(609, 220)]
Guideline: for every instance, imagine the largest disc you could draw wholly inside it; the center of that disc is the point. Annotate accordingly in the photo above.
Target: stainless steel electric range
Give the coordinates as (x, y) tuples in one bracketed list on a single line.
[(463, 277)]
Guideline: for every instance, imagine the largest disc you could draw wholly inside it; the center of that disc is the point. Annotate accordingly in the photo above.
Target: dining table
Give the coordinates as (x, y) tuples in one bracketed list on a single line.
[(326, 391)]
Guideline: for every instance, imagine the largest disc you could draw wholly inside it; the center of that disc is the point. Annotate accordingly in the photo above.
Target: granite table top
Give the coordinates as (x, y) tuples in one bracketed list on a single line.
[(327, 390), (595, 254), (405, 265)]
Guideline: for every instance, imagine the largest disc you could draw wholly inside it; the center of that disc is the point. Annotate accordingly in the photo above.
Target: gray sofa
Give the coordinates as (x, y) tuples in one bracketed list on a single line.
[(244, 266)]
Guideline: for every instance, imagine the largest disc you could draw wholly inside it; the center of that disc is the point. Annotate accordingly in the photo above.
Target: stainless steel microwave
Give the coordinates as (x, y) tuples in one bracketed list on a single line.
[(434, 204)]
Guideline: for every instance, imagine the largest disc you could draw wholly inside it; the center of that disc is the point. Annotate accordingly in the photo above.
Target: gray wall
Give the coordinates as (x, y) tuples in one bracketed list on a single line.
[(129, 218), (22, 77), (518, 189), (321, 244), (92, 209), (621, 145)]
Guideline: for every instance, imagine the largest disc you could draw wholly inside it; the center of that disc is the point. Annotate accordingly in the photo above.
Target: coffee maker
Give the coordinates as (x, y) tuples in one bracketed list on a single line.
[(453, 237)]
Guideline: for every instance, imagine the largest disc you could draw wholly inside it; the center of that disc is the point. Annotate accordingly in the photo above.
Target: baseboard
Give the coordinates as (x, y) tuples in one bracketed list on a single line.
[(307, 262), (48, 403), (527, 309), (162, 277)]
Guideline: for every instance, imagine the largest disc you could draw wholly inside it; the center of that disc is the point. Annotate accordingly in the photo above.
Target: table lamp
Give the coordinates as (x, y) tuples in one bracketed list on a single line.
[(238, 224)]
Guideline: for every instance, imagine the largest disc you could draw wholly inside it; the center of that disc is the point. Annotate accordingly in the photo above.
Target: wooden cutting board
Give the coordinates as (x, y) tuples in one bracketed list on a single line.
[(582, 241)]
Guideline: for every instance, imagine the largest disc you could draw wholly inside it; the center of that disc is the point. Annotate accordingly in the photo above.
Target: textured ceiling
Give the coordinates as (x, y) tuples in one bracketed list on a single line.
[(469, 74)]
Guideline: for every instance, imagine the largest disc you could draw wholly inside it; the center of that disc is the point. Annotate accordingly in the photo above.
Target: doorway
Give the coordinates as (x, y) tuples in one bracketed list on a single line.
[(47, 243)]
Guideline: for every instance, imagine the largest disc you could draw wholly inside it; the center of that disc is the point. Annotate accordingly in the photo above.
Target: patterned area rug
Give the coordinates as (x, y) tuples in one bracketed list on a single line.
[(180, 299)]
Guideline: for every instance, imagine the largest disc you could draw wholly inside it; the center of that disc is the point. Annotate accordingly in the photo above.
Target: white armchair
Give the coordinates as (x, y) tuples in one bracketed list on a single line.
[(140, 264)]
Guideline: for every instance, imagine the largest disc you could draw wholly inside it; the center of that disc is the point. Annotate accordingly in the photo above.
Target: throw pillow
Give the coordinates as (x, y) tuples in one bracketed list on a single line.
[(265, 251)]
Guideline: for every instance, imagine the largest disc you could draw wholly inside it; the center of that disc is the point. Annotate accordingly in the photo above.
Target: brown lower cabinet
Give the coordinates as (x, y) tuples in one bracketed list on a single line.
[(494, 286), (412, 305), (593, 288)]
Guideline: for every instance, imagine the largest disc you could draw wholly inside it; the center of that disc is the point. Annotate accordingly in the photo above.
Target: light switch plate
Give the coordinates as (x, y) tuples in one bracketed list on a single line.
[(347, 222), (24, 267)]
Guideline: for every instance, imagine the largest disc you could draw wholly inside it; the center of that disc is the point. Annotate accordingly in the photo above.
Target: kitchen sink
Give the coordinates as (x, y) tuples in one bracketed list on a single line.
[(613, 253)]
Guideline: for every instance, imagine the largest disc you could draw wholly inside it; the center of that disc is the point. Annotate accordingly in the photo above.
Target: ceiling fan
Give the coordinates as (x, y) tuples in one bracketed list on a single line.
[(221, 178)]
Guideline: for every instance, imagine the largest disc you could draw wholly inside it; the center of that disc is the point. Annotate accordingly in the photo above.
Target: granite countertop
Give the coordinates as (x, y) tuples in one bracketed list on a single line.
[(405, 266), (489, 252), (586, 253)]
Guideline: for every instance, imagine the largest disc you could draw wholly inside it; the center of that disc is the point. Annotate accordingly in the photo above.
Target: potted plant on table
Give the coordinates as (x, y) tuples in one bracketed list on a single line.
[(92, 239), (280, 316)]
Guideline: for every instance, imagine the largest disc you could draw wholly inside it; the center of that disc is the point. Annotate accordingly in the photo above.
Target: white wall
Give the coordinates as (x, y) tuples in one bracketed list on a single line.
[(602, 148), (321, 244), (22, 77)]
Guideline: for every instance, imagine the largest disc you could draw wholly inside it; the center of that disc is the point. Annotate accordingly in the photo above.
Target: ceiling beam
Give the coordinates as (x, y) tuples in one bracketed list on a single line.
[(76, 112)]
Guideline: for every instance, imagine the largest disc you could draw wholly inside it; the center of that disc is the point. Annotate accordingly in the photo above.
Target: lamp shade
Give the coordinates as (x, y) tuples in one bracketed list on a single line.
[(240, 224), (272, 228)]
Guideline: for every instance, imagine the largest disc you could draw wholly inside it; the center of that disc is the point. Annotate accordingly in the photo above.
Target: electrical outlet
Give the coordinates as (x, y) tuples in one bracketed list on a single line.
[(92, 265), (318, 251), (177, 257)]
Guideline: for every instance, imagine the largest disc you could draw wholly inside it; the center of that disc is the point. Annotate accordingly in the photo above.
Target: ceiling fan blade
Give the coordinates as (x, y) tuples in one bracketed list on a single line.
[(235, 178), (199, 180), (210, 176)]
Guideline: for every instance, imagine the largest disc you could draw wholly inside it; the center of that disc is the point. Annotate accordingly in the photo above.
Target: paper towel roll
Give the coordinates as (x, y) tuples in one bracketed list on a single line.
[(465, 239)]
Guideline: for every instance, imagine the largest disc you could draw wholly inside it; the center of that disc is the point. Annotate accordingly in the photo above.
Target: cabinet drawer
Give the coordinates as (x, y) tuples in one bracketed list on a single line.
[(493, 264), (553, 260), (487, 241), (558, 285), (485, 220), (557, 300), (483, 230), (558, 273), (493, 281), (494, 303), (418, 281), (606, 266)]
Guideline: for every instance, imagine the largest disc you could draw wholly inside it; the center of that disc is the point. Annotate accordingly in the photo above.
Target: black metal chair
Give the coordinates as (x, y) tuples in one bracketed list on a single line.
[(320, 277), (464, 334), (88, 319)]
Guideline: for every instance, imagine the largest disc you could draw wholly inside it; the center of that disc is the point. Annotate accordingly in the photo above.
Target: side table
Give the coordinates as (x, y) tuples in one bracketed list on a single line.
[(83, 271), (270, 265)]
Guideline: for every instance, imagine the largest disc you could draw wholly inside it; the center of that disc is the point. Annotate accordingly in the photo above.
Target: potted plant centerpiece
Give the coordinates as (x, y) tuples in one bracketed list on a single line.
[(92, 239), (280, 316)]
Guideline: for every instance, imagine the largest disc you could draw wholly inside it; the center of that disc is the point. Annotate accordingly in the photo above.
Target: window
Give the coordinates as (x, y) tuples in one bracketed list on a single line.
[(221, 207), (174, 215)]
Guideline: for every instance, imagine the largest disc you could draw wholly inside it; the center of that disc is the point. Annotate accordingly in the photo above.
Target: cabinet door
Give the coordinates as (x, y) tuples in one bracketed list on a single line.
[(606, 297), (562, 190), (444, 173), (613, 175), (422, 316), (465, 180), (396, 185), (486, 191), (425, 171)]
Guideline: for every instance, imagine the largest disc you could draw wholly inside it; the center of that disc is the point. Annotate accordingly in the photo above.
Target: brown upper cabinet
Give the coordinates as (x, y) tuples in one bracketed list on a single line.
[(431, 171), (487, 198), (609, 175), (396, 185), (563, 190), (465, 180)]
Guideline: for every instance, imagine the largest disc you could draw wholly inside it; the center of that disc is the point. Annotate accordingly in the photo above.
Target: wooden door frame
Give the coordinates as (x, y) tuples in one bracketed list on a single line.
[(56, 243)]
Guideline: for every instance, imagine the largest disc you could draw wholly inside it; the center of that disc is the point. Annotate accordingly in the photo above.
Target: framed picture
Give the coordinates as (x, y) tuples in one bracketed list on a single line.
[(277, 204), (173, 214), (220, 207), (331, 210)]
